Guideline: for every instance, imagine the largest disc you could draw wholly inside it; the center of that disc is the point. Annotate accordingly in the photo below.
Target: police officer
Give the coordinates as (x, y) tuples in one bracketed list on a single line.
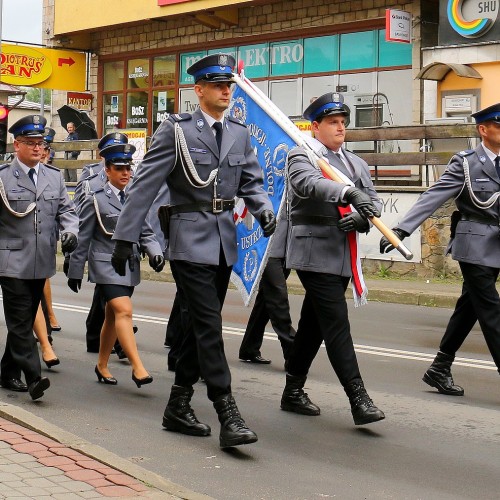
[(98, 216), (472, 179), (206, 160), (93, 178), (34, 200), (318, 249), (271, 302)]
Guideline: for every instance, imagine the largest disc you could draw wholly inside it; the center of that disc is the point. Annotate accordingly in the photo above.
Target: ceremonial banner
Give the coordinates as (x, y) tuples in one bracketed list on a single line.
[(271, 145)]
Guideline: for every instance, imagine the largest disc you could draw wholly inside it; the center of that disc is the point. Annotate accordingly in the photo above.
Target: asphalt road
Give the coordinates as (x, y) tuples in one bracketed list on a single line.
[(429, 446)]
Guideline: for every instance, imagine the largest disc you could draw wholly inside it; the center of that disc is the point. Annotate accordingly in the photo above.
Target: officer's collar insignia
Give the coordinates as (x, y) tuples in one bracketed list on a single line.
[(108, 191), (200, 123), (482, 158), (16, 173), (222, 60)]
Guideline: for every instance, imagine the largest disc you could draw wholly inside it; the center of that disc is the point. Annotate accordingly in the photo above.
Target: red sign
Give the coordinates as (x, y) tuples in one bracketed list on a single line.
[(171, 2), (80, 100)]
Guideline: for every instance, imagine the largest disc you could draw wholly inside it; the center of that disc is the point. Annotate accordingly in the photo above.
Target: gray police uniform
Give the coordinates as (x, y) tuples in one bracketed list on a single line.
[(476, 245), (84, 186), (96, 246), (28, 248), (202, 239), (319, 251)]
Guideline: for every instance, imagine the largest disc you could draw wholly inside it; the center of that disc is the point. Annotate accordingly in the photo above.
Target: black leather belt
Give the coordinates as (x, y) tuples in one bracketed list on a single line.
[(216, 206), (315, 220), (490, 221)]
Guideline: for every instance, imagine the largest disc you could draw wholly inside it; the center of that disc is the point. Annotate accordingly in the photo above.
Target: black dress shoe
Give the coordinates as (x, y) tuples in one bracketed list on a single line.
[(51, 362), (257, 359), (37, 388), (14, 384), (102, 378), (141, 381)]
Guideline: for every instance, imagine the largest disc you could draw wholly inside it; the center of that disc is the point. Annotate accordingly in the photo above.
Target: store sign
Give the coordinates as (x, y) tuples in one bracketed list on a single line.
[(463, 21), (397, 26), (44, 68), (80, 100)]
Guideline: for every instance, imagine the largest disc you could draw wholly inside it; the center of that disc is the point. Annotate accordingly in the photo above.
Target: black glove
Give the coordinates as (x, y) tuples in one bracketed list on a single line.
[(66, 264), (157, 263), (68, 242), (353, 222), (361, 202), (122, 253), (386, 245), (74, 284), (267, 222)]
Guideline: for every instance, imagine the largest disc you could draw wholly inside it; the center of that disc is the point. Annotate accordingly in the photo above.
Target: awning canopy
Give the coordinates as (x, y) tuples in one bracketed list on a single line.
[(437, 71)]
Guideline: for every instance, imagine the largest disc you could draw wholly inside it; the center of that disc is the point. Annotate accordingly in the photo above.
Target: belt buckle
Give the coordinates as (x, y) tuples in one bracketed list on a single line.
[(217, 205)]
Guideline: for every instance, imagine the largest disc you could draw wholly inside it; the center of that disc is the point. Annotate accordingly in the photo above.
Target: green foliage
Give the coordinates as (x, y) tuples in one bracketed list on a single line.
[(33, 95), (383, 271)]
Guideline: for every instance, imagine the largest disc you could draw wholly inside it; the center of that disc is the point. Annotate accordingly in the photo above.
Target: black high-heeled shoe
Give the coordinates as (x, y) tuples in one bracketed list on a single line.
[(141, 381), (51, 362), (102, 378)]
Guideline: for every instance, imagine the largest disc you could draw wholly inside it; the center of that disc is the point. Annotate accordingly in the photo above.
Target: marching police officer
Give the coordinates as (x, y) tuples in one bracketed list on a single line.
[(318, 249), (93, 178), (206, 160), (34, 201), (472, 179)]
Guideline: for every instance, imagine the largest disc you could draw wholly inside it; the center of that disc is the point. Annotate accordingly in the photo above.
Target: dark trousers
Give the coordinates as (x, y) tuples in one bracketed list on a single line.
[(173, 336), (95, 320), (479, 301), (21, 299), (324, 317), (272, 304), (202, 290)]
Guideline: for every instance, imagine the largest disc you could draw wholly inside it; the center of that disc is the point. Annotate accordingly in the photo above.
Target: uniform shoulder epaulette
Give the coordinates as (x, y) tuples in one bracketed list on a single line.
[(466, 152), (179, 117), (5, 165), (52, 167), (90, 177), (97, 190), (91, 165), (236, 120)]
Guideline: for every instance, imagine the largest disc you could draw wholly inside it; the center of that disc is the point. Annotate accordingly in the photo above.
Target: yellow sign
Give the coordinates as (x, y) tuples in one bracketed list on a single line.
[(43, 68)]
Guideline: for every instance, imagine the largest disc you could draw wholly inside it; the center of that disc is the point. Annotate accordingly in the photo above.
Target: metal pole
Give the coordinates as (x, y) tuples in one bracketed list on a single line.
[(42, 102)]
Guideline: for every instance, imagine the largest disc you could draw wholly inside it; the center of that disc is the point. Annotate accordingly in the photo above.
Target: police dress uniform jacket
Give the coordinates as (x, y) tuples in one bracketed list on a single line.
[(197, 236), (96, 246), (318, 247), (90, 171), (28, 244), (477, 234)]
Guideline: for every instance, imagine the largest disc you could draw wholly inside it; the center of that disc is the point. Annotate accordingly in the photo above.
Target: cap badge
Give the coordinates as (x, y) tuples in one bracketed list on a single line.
[(126, 149), (222, 60), (36, 119)]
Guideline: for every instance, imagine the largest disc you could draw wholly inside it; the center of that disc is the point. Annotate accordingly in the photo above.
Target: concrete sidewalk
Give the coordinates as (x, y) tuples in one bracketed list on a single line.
[(41, 461)]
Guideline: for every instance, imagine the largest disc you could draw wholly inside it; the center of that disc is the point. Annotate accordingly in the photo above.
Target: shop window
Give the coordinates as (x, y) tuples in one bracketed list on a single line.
[(113, 75), (113, 112), (393, 53), (358, 50), (137, 110), (163, 104), (321, 54), (286, 94), (164, 71), (187, 60), (138, 74), (286, 57)]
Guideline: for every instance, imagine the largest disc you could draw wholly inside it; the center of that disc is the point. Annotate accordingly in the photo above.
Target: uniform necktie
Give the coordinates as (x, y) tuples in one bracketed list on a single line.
[(345, 163), (121, 194), (31, 175), (497, 165), (218, 133)]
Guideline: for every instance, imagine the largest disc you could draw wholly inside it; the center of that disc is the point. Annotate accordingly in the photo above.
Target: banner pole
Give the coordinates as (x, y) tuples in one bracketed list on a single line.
[(287, 126)]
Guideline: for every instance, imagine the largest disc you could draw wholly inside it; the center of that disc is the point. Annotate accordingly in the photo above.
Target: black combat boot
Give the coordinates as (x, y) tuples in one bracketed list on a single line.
[(362, 407), (439, 375), (179, 416), (295, 399), (233, 431)]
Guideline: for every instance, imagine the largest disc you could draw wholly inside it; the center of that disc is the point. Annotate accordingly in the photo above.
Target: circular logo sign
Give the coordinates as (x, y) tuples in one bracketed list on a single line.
[(24, 65), (476, 26)]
